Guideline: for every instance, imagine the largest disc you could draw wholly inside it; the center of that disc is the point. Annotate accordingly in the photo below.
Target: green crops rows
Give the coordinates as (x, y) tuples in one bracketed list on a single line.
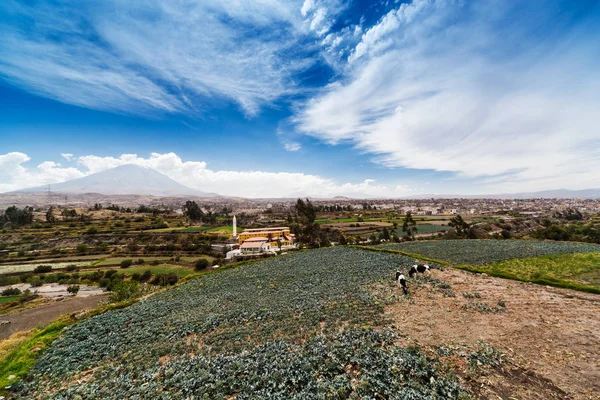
[(481, 252), (265, 330)]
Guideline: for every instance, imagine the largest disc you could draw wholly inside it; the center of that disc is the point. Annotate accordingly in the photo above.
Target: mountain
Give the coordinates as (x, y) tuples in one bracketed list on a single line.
[(125, 179), (545, 194)]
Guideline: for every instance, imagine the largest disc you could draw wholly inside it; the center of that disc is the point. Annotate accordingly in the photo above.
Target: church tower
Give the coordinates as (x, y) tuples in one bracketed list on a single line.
[(234, 227)]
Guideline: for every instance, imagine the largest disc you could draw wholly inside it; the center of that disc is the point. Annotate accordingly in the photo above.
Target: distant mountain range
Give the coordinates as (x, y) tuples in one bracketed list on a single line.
[(123, 180), (545, 194), (133, 179)]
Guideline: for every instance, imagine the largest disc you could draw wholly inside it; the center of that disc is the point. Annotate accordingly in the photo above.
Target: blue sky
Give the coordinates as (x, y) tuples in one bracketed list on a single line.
[(312, 97)]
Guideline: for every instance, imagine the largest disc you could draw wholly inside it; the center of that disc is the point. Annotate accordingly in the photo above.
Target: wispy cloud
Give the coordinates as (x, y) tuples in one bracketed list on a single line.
[(507, 92), (15, 175), (293, 146), (166, 56)]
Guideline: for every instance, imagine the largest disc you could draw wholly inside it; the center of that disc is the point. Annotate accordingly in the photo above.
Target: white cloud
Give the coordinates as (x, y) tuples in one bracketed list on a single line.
[(14, 175), (293, 146), (472, 89), (166, 56), (195, 174), (67, 156)]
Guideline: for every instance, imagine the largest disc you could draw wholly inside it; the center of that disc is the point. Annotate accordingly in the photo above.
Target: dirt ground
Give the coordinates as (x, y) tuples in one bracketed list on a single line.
[(44, 314), (550, 336)]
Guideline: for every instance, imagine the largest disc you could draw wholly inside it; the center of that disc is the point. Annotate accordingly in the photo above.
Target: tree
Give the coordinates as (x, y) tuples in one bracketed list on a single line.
[(73, 289), (385, 234), (16, 216), (125, 290), (409, 227), (459, 224), (201, 264), (50, 215), (308, 230), (192, 211), (126, 263)]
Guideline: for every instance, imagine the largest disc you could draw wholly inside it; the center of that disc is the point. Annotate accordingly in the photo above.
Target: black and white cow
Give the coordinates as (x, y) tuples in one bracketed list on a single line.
[(401, 282), (421, 268)]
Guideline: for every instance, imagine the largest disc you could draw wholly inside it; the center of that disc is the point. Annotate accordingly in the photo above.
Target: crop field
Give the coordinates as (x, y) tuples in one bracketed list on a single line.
[(300, 326), (6, 299), (117, 260), (577, 271), (160, 269), (13, 268), (481, 252)]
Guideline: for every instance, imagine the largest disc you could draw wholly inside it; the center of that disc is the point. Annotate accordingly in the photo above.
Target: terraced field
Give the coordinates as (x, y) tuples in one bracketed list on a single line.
[(299, 326), (481, 252)]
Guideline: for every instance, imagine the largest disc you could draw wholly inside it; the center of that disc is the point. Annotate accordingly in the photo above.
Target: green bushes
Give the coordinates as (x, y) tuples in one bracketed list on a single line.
[(36, 282), (167, 279), (126, 263), (73, 289), (125, 290), (42, 269), (201, 264), (11, 292)]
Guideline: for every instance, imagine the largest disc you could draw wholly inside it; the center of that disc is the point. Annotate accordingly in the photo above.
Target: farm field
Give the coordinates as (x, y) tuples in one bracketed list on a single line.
[(297, 326), (14, 268), (117, 260), (5, 299), (577, 271), (159, 269), (480, 252)]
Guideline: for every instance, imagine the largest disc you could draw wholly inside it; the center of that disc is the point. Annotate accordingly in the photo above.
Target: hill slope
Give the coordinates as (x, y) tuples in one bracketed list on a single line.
[(122, 180)]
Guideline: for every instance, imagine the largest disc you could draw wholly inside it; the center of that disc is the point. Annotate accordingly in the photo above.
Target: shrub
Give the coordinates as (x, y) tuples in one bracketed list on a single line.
[(126, 263), (92, 231), (82, 248), (140, 261), (73, 289), (71, 267), (146, 276), (36, 282), (165, 279), (40, 269), (95, 276), (11, 292), (201, 264), (125, 290)]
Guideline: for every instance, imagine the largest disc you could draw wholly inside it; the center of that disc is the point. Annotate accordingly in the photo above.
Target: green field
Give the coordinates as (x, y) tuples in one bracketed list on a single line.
[(158, 269), (14, 268), (580, 271), (563, 264), (282, 328), (6, 299), (117, 260), (480, 252)]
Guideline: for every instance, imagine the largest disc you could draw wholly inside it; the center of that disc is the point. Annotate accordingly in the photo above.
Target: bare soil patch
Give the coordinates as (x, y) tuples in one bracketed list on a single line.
[(44, 314), (550, 336)]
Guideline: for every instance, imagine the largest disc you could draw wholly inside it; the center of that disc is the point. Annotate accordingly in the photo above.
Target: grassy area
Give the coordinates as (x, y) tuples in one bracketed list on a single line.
[(225, 229), (579, 271), (14, 268), (6, 299), (482, 252), (117, 260), (159, 269)]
